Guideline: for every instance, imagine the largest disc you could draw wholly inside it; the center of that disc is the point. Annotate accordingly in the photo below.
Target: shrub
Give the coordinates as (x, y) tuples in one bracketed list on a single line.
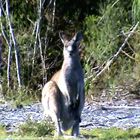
[(37, 129), (104, 35)]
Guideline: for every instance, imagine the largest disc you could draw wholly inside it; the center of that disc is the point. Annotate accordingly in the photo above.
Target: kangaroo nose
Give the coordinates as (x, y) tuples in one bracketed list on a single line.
[(70, 49), (71, 53)]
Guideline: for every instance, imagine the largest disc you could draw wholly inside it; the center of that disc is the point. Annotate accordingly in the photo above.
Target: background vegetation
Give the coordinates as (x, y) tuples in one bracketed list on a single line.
[(36, 23)]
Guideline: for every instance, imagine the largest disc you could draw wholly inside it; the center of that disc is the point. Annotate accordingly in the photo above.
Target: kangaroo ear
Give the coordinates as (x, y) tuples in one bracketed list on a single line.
[(63, 37), (78, 37)]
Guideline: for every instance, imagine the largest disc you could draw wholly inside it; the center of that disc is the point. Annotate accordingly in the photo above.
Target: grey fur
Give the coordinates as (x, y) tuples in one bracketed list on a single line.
[(63, 96)]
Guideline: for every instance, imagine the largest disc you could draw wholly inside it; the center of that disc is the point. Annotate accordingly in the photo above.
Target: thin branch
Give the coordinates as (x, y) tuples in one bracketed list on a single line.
[(127, 42), (37, 31), (0, 54), (110, 61), (53, 14), (30, 20), (2, 8), (41, 54), (38, 39), (35, 45), (49, 3), (42, 59), (2, 27), (0, 65), (0, 48), (128, 55)]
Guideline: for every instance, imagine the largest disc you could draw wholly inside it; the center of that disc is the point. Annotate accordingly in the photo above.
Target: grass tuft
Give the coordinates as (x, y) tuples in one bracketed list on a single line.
[(112, 134), (37, 129)]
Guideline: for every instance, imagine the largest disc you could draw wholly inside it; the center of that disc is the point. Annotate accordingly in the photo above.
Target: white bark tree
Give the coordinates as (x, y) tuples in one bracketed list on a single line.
[(11, 40)]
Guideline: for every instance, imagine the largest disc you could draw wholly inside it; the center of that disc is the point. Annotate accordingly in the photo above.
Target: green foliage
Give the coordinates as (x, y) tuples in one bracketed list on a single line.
[(136, 11), (23, 96), (2, 131), (136, 48), (22, 12), (36, 129), (112, 133), (102, 32), (103, 39)]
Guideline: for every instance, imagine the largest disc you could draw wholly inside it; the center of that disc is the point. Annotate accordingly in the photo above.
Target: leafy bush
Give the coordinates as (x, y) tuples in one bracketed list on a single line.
[(104, 36), (38, 129)]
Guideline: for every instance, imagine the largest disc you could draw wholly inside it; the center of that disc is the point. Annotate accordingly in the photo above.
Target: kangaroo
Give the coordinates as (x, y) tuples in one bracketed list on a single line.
[(63, 96)]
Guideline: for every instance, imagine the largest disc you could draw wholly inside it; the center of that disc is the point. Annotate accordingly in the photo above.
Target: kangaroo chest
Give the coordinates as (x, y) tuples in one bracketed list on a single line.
[(70, 80)]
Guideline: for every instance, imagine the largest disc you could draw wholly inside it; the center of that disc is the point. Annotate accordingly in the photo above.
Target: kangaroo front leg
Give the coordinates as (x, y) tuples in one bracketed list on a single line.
[(58, 128), (75, 129), (78, 110), (81, 98)]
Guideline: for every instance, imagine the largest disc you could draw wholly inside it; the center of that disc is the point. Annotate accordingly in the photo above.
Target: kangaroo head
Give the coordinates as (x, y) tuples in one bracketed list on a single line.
[(70, 46)]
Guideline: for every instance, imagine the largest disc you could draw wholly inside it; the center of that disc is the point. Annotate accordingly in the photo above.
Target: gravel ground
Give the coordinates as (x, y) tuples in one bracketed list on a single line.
[(119, 114)]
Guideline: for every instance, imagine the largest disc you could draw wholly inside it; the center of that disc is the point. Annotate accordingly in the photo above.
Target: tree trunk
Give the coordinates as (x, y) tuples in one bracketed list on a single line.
[(9, 64), (15, 44), (0, 65)]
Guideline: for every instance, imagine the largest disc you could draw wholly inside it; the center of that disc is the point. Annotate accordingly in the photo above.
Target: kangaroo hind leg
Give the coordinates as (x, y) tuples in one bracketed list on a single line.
[(52, 100)]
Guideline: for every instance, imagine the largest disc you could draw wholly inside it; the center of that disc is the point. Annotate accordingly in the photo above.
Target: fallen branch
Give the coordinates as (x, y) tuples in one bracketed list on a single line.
[(110, 61)]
